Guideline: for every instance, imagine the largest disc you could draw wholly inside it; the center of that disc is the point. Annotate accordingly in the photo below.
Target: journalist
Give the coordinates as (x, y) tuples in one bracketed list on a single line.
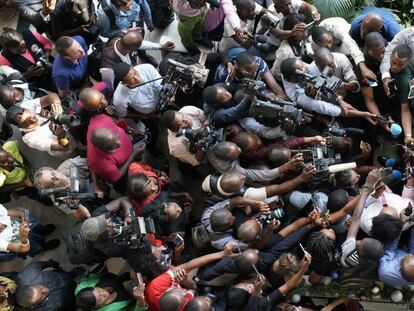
[(188, 117), (41, 134), (47, 178)]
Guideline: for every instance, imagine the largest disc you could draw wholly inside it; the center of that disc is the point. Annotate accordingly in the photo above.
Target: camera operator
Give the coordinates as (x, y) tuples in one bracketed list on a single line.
[(248, 66), (28, 52), (41, 134), (124, 49), (296, 91), (188, 117), (49, 178), (105, 224)]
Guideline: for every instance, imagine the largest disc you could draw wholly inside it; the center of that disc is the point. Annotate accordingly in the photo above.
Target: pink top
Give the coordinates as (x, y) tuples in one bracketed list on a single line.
[(215, 17), (46, 46), (106, 164)]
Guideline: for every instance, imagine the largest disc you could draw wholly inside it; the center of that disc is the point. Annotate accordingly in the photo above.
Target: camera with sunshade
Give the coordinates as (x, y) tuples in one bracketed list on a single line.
[(132, 234), (322, 86), (205, 138), (180, 76)]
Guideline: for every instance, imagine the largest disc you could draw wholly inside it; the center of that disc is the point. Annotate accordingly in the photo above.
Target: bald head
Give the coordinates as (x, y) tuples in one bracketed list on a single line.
[(248, 141), (371, 22), (105, 140), (131, 41), (221, 219), (279, 155), (232, 182), (91, 98), (227, 151), (248, 231), (407, 267), (323, 56)]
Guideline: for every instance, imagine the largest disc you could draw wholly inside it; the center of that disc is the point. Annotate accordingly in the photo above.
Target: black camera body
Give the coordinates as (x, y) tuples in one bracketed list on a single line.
[(279, 110), (68, 119), (322, 86), (133, 233), (71, 193), (43, 62), (207, 137), (182, 76)]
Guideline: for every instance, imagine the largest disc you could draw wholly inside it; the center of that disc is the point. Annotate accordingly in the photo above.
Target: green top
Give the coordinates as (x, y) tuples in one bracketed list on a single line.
[(18, 174), (125, 305)]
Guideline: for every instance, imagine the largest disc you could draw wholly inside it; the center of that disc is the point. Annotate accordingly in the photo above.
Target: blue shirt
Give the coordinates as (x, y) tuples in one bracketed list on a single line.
[(389, 270), (123, 20), (389, 29), (222, 73), (69, 75)]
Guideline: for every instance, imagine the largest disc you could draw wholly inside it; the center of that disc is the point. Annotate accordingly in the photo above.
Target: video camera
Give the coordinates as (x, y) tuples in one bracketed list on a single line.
[(278, 109), (323, 86), (181, 76), (68, 119), (72, 193), (206, 137), (325, 160), (133, 233)]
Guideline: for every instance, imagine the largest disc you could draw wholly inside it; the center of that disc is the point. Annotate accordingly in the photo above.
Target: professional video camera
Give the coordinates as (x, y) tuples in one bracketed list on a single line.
[(325, 160), (279, 110), (252, 86), (68, 119), (70, 195), (323, 86), (206, 137), (133, 233), (181, 76)]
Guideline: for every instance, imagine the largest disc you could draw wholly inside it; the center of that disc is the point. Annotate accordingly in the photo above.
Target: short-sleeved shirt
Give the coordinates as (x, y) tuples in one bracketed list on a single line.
[(18, 174), (11, 233), (144, 98), (158, 286), (222, 73), (106, 164), (69, 75), (402, 83)]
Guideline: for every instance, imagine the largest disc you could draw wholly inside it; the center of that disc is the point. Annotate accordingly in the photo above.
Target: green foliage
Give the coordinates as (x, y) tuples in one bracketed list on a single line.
[(341, 8), (402, 9)]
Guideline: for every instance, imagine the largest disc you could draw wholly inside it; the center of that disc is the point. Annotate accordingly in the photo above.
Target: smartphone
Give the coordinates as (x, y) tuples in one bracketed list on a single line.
[(140, 279), (301, 252), (372, 83), (175, 240), (310, 25), (391, 87), (26, 216)]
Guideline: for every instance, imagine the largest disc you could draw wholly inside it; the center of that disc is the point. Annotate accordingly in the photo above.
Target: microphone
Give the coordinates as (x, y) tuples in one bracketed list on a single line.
[(336, 131), (390, 162), (341, 167), (396, 129), (388, 176)]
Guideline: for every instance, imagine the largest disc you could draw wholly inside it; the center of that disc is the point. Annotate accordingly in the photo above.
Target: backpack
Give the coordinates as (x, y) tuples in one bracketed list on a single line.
[(80, 250), (162, 14)]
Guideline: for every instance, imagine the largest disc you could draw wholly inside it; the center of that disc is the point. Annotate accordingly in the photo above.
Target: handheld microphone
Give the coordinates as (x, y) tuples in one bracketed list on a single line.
[(396, 130), (389, 176), (390, 162)]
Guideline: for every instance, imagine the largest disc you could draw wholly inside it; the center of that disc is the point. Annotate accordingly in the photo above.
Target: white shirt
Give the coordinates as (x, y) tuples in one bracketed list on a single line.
[(11, 232), (143, 98), (41, 138), (374, 206), (227, 42), (294, 8), (179, 146)]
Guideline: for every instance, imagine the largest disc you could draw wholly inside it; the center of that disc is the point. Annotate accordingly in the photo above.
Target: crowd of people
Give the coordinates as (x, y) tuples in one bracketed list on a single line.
[(222, 175)]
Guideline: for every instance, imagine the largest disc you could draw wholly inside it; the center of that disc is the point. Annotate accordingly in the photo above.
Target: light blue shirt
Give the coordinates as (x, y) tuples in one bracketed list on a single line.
[(389, 270), (123, 20)]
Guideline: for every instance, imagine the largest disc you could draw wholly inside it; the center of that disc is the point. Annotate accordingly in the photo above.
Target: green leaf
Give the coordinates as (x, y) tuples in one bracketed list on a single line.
[(333, 8)]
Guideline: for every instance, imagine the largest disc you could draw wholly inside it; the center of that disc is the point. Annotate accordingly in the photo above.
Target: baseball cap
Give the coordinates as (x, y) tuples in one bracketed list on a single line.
[(93, 227)]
